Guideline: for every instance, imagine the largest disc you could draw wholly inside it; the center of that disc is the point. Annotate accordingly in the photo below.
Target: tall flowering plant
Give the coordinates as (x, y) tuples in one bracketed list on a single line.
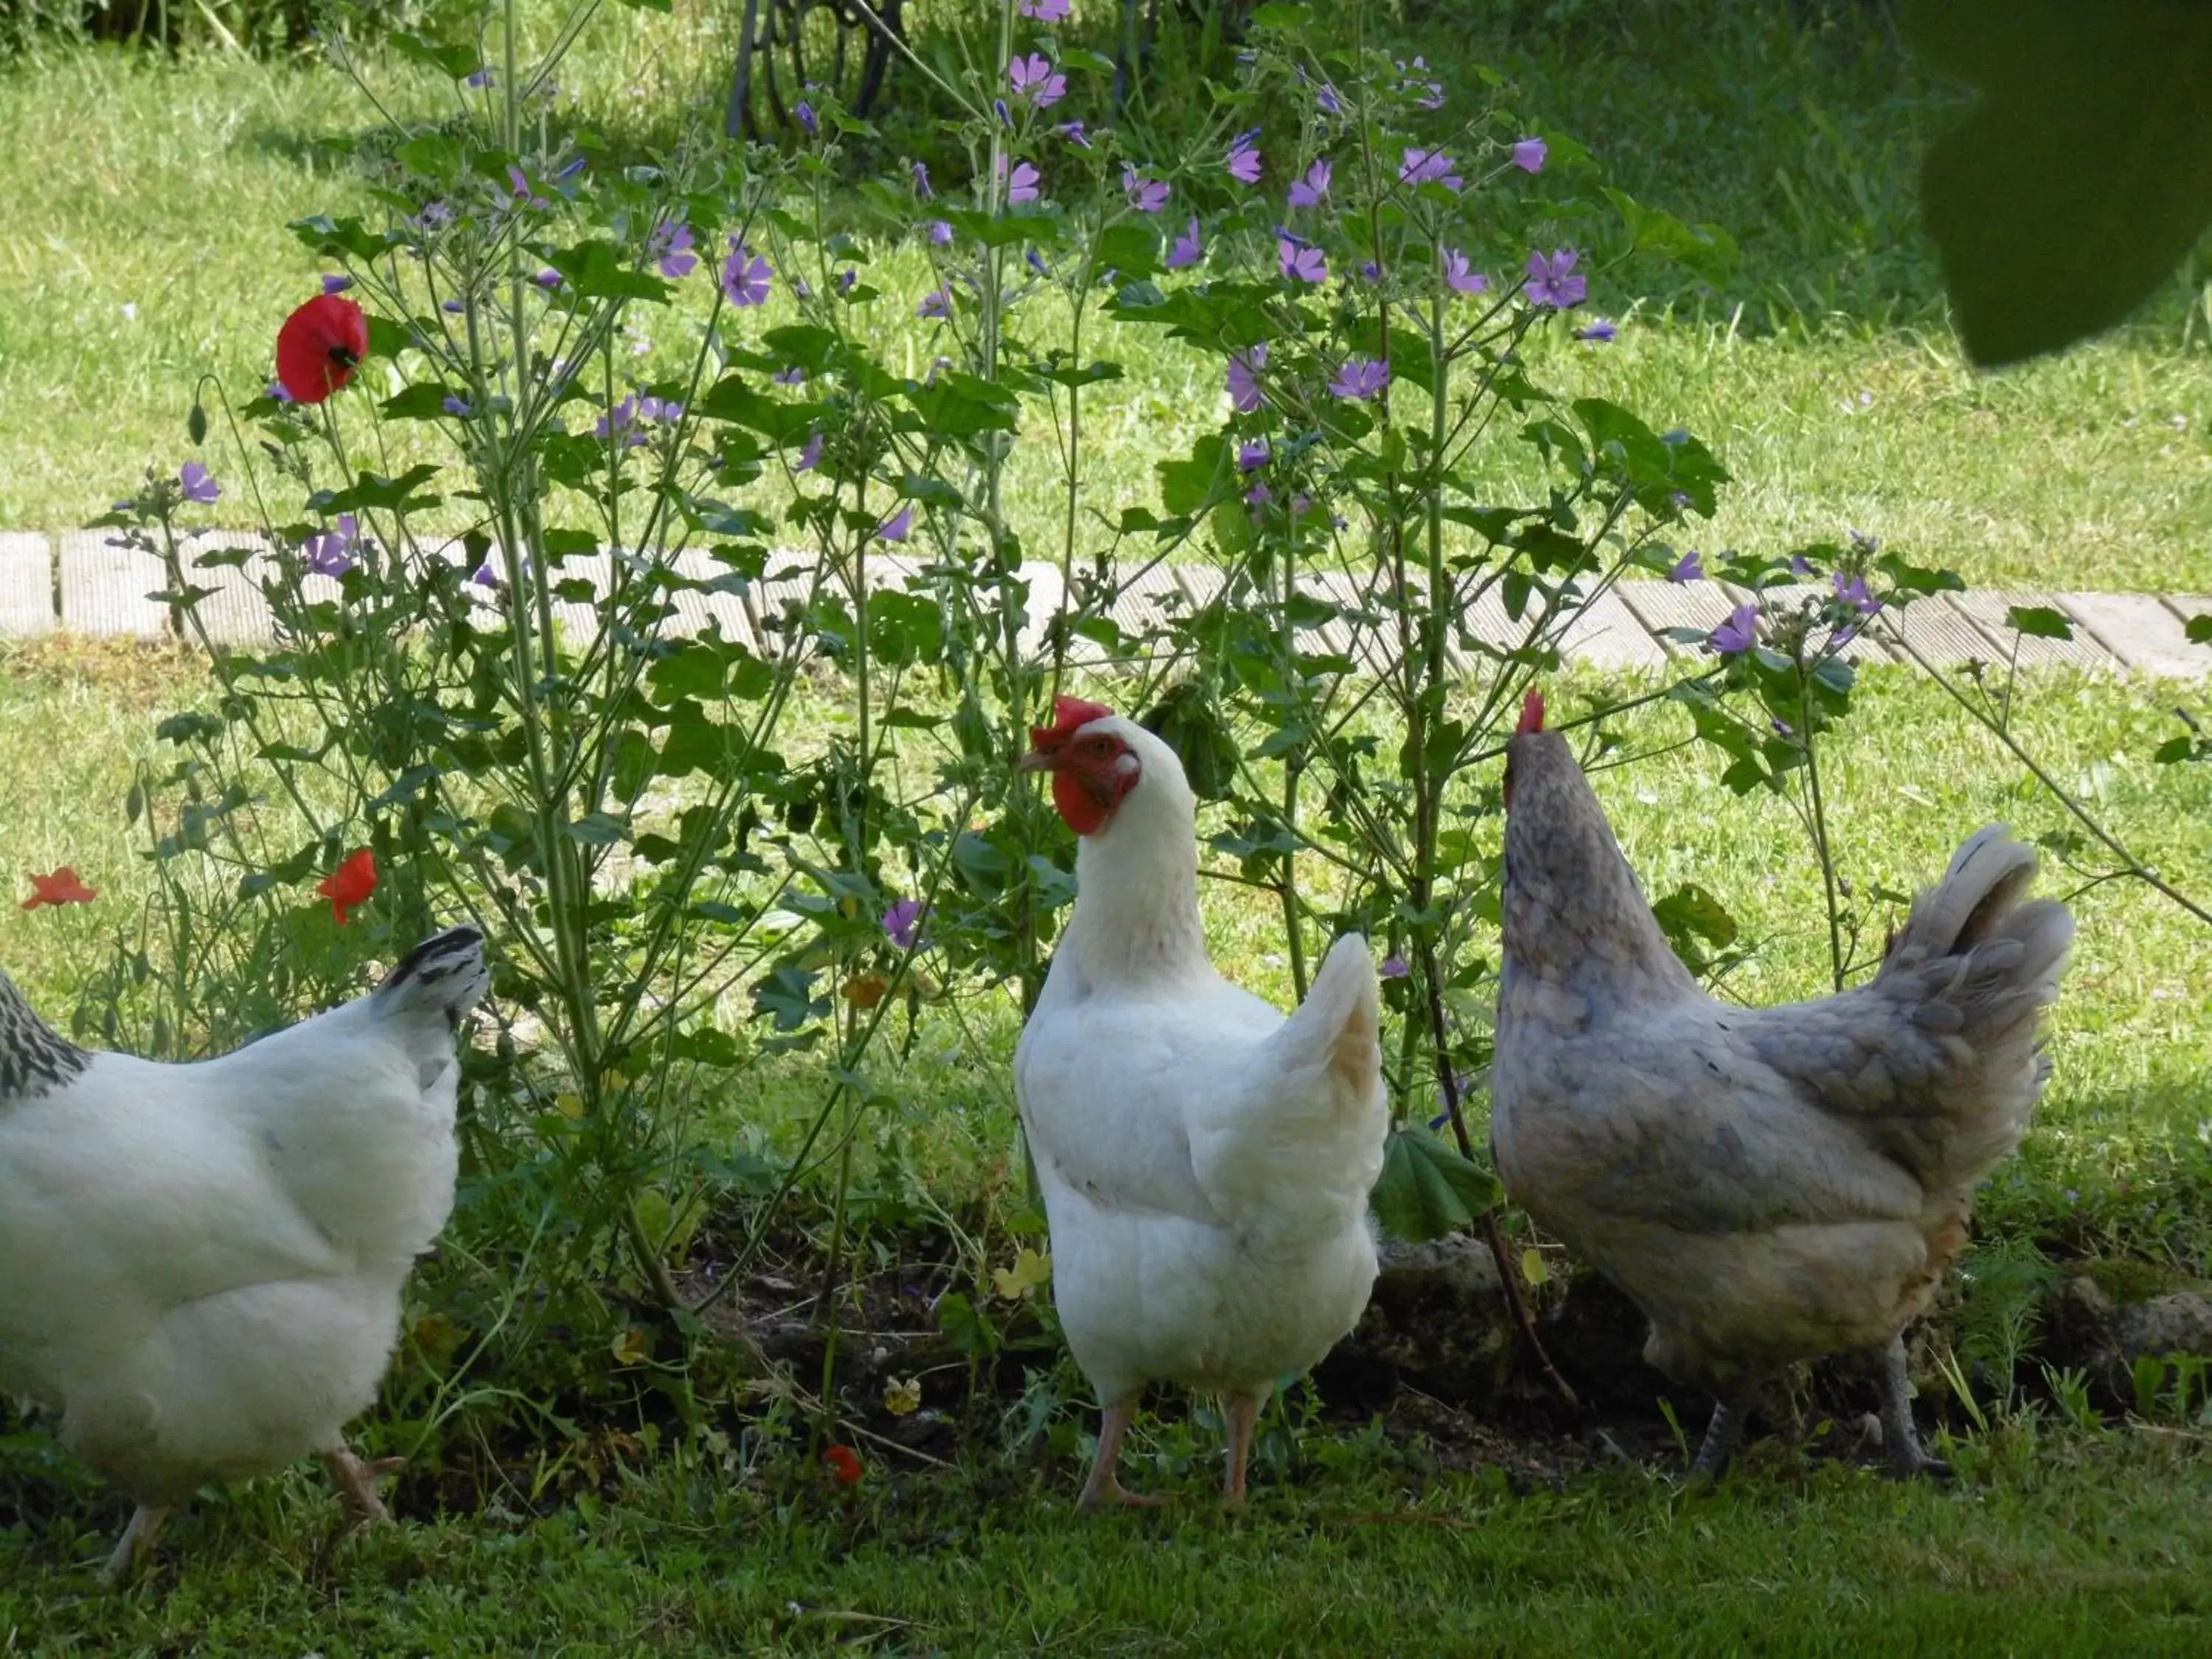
[(1384, 278)]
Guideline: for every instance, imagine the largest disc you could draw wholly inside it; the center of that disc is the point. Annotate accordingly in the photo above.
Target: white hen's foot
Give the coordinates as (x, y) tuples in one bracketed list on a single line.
[(1104, 1487), (355, 1482), (1243, 1413), (136, 1543)]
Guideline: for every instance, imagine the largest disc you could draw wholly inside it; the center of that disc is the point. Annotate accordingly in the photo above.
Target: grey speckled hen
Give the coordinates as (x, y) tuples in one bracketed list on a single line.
[(1768, 1184)]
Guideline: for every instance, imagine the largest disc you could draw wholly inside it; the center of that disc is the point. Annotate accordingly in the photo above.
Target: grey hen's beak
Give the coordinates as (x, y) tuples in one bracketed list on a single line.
[(1037, 760)]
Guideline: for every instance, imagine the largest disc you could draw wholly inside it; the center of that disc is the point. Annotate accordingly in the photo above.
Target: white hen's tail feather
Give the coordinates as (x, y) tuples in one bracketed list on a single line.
[(1292, 1154)]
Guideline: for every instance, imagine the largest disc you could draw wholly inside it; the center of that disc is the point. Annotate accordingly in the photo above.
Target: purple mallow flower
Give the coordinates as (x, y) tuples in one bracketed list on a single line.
[(940, 233), (455, 404), (1553, 282), (1598, 332), (1528, 155), (1359, 378), (1034, 78), (1428, 166), (484, 575), (520, 180), (1022, 183), (1244, 368), (1145, 195), (897, 527), (1244, 157), (670, 248), (1072, 132), (1330, 103), (745, 275), (1188, 249), (480, 77), (1393, 967), (1460, 277), (456, 307), (1251, 457), (548, 279), (903, 923), (193, 478), (810, 457), (921, 182), (1738, 633), (936, 303), (1299, 260), (1045, 11), (337, 284), (1688, 568), (276, 393), (846, 279), (808, 122), (1308, 190), (330, 554), (1429, 94), (1853, 591)]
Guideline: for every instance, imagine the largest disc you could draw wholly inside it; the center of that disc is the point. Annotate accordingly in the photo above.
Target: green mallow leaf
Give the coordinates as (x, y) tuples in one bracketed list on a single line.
[(1427, 1189)]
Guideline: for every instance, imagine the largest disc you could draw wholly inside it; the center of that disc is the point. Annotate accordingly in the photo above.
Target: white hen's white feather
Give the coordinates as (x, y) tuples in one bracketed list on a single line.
[(1206, 1164), (201, 1265)]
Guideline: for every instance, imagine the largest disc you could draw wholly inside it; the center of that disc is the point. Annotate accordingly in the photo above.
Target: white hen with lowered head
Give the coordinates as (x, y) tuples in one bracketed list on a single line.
[(201, 1265), (1205, 1163)]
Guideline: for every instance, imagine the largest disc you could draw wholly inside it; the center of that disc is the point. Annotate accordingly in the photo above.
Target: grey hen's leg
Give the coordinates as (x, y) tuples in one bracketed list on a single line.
[(1721, 1434), (137, 1545), (1906, 1457)]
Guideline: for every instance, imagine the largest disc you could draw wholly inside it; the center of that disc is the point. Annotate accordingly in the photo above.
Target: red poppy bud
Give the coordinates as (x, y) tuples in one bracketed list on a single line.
[(845, 1465), (319, 347), (351, 883)]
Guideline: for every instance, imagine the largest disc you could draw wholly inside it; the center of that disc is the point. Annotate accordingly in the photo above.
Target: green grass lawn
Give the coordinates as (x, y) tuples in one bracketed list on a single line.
[(2053, 1545), (153, 249)]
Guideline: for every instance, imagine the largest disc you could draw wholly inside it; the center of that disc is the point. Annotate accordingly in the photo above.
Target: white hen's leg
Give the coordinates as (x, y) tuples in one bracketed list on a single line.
[(138, 1541), (355, 1482), (1906, 1457), (1244, 1412), (1104, 1485)]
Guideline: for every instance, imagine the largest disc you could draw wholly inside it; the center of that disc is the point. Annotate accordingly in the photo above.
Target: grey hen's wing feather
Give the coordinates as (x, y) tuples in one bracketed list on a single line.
[(1939, 1059), (1672, 1117)]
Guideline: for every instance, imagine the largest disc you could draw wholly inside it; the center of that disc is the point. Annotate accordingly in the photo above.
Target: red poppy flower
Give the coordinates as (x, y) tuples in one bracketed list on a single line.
[(845, 1465), (351, 883), (60, 888), (319, 347)]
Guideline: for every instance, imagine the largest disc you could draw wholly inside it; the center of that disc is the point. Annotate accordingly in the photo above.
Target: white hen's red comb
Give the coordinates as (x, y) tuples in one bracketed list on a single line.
[(1532, 712), (1069, 715)]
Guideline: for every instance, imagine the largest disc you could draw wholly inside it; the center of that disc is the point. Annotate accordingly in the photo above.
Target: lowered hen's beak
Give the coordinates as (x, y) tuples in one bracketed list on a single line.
[(1038, 760)]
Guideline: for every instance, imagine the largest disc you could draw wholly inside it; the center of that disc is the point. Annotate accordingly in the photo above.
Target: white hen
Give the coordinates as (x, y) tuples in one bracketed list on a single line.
[(200, 1265), (1205, 1163)]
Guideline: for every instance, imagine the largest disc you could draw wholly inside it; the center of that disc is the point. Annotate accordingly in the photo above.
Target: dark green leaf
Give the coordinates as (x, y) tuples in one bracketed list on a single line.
[(2040, 621), (2199, 630), (2084, 173), (1427, 1189)]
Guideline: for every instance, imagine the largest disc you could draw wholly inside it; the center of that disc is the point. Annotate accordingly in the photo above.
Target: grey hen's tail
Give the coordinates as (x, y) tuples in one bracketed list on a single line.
[(1986, 963), (445, 973)]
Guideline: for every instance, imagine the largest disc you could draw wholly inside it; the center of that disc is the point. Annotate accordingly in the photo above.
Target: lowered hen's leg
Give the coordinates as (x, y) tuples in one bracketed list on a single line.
[(138, 1541), (1104, 1485), (1721, 1434), (1906, 1457), (355, 1482), (1243, 1413)]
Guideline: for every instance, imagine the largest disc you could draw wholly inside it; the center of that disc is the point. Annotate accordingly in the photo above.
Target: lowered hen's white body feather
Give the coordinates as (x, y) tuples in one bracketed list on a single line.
[(201, 1265), (1205, 1163)]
